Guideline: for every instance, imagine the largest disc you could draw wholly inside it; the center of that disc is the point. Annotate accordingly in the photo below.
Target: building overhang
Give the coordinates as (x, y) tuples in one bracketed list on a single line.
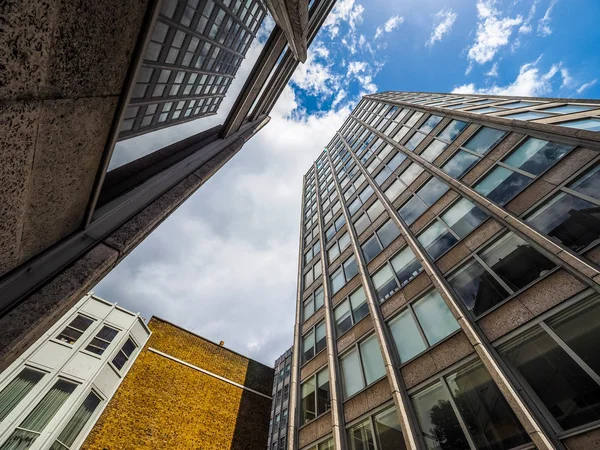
[(292, 17)]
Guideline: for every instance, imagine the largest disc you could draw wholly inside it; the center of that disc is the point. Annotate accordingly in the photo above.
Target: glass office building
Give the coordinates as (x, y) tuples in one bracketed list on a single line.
[(194, 52), (448, 292)]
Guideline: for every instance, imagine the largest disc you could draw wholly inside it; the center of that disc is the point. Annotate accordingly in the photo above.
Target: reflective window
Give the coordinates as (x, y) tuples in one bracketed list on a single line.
[(459, 164), (437, 239), (568, 109), (350, 311), (361, 366), (452, 130), (497, 272), (72, 332), (572, 216), (435, 318), (484, 140), (313, 303), (559, 361), (528, 115), (485, 415), (591, 124), (315, 396)]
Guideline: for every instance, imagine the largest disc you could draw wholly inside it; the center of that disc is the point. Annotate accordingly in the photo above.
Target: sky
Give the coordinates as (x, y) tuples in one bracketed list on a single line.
[(225, 264)]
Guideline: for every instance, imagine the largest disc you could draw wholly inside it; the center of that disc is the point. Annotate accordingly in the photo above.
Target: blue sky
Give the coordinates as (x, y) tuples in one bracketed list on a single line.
[(224, 265)]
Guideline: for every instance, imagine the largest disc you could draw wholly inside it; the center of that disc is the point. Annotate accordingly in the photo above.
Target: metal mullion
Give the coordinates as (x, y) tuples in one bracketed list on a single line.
[(460, 419), (472, 152), (419, 327), (514, 169), (562, 344), (404, 410), (496, 277), (337, 414), (575, 193), (511, 222), (362, 364), (476, 337), (176, 99), (190, 69)]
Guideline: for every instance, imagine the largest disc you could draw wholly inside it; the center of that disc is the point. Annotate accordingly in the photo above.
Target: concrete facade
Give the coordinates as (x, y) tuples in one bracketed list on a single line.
[(186, 392), (281, 402), (403, 211)]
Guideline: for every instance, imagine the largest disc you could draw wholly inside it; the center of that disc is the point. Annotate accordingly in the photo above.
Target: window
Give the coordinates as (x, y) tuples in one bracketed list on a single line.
[(350, 311), (75, 329), (325, 445), (338, 247), (471, 152), (333, 229), (380, 432), (531, 158), (590, 124), (313, 303), (572, 216), (315, 396), (437, 239), (124, 354), (69, 434), (313, 342), (425, 197), (35, 422), (498, 272), (485, 416), (342, 275), (421, 325), (558, 361), (17, 389), (102, 340), (361, 366)]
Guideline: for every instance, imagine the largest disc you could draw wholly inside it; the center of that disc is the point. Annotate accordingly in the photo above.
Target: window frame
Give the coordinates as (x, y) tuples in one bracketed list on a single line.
[(313, 330), (356, 346)]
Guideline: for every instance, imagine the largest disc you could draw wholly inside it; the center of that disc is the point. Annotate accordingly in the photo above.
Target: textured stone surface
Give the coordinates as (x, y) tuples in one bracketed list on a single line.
[(504, 319), (418, 370), (18, 126), (163, 404), (585, 441), (312, 366), (355, 333), (314, 430), (459, 252), (570, 164), (529, 197), (416, 286), (451, 350), (393, 304), (25, 323), (70, 141), (312, 320), (482, 234), (550, 291)]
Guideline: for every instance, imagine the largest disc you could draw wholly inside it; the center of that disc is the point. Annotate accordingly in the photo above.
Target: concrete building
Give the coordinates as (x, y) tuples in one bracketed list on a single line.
[(281, 402), (448, 281), (69, 71), (53, 394), (185, 392)]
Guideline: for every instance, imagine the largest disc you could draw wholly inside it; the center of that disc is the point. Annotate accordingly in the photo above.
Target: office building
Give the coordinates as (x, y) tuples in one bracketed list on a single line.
[(73, 75), (185, 392), (281, 402), (448, 292), (53, 394)]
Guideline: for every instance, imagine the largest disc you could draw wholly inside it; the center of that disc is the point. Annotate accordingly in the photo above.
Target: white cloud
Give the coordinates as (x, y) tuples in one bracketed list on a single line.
[(316, 76), (442, 24), (390, 25), (224, 265), (543, 27), (531, 82), (356, 67), (343, 11), (341, 95), (587, 85), (493, 32), (567, 78), (493, 72), (525, 28)]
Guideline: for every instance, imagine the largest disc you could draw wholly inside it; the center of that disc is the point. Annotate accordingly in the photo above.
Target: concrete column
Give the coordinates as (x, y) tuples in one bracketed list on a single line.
[(536, 428), (403, 404)]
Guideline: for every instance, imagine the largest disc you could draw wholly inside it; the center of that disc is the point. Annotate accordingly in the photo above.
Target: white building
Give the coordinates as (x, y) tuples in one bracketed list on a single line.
[(51, 397)]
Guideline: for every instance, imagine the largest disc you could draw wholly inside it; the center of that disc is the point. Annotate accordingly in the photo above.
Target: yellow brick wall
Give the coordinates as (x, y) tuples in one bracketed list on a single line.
[(163, 404)]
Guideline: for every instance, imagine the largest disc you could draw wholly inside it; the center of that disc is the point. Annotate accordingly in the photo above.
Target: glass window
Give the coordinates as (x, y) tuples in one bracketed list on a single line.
[(81, 417), (483, 141), (433, 150), (534, 156), (384, 282), (308, 346), (406, 266), (569, 218), (430, 124), (361, 366), (452, 130), (528, 115), (102, 340), (463, 217), (414, 141), (319, 337), (564, 385), (432, 191), (323, 392), (354, 207), (387, 233), (519, 104), (568, 109), (406, 335), (437, 239), (343, 317), (351, 373), (502, 184), (375, 210), (350, 268), (389, 431), (337, 280), (308, 402), (358, 302), (411, 173), (75, 329), (459, 164), (590, 124), (412, 210), (35, 422), (371, 248), (360, 436), (434, 316), (17, 389), (124, 354), (372, 361)]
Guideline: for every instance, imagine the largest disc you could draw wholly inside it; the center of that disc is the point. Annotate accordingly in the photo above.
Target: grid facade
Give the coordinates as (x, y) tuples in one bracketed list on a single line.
[(448, 289), (194, 52), (281, 401)]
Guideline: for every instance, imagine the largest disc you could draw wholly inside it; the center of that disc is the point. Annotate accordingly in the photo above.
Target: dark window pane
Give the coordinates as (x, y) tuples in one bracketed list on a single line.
[(567, 391), (354, 206), (570, 220), (412, 210), (501, 185), (350, 268), (339, 222), (366, 193), (371, 249), (323, 402), (439, 424), (437, 239), (458, 165), (343, 317), (119, 360), (488, 416), (308, 407), (358, 302), (579, 327), (320, 337), (388, 233), (589, 184), (516, 262), (389, 431), (477, 288), (406, 266), (329, 233)]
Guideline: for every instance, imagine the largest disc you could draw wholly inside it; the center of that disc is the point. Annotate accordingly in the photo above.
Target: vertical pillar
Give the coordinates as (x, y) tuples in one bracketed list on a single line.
[(406, 415)]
